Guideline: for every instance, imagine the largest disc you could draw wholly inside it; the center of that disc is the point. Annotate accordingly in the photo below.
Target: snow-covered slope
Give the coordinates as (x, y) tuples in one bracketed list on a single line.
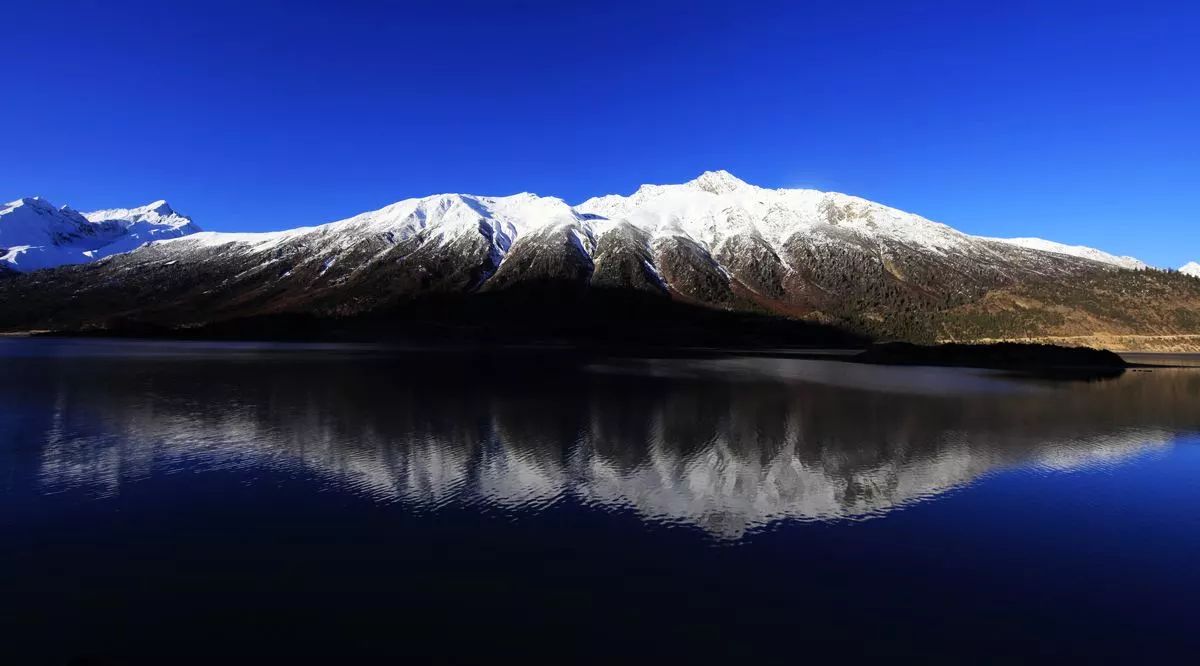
[(438, 221), (152, 222), (443, 217), (708, 211), (1075, 251), (34, 234), (1191, 268), (717, 206), (705, 214)]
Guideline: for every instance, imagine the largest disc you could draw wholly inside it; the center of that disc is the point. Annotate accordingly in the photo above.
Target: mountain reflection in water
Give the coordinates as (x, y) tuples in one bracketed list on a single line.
[(729, 445)]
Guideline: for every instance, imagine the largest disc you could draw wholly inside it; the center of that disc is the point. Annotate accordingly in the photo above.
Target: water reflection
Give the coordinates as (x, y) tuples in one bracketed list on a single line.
[(728, 445)]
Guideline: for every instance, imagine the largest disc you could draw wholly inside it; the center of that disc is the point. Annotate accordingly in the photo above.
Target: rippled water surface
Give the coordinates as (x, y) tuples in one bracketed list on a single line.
[(169, 502)]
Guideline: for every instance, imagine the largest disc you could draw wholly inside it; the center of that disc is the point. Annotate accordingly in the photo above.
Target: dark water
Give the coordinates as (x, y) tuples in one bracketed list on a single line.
[(166, 503)]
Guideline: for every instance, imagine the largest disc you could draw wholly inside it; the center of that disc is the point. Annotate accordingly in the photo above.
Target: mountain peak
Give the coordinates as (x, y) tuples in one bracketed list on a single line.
[(718, 182), (35, 202), (161, 207), (158, 207), (154, 212), (38, 212), (36, 234), (1191, 268)]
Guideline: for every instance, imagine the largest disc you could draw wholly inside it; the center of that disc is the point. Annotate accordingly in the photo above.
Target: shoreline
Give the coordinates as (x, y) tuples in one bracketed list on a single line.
[(927, 357)]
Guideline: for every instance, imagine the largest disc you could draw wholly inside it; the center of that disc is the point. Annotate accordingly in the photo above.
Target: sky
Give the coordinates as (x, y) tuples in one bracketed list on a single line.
[(1074, 121)]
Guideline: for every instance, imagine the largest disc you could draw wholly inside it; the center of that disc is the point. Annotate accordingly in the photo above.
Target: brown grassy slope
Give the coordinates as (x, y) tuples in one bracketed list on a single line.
[(1119, 309)]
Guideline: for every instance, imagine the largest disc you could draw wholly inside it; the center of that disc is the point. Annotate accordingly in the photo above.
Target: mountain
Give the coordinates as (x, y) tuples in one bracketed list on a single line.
[(34, 234), (153, 222), (1191, 268), (616, 265), (1077, 251)]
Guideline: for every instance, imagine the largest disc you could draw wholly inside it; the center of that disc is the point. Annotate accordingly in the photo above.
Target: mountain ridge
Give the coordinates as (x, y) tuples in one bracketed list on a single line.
[(34, 234), (1081, 251), (718, 182), (714, 242)]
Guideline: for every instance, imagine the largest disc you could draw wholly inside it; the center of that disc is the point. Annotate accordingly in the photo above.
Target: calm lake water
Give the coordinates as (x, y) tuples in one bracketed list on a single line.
[(168, 503)]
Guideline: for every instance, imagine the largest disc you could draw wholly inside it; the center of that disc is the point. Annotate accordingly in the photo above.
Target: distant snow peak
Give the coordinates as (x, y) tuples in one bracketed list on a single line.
[(161, 207), (718, 182), (1191, 268), (30, 202), (1080, 251), (34, 234), (154, 211)]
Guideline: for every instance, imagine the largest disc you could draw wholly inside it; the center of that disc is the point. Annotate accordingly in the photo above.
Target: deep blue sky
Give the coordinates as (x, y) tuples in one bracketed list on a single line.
[(1078, 122)]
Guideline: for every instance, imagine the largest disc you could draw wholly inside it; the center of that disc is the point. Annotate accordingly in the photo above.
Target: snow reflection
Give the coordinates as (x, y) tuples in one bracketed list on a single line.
[(726, 454)]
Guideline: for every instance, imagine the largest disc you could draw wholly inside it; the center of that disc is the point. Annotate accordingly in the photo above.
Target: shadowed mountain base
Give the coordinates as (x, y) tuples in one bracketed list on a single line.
[(545, 312), (1042, 360)]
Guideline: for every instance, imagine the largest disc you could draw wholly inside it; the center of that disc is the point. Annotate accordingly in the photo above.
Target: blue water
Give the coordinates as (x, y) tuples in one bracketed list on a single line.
[(210, 503)]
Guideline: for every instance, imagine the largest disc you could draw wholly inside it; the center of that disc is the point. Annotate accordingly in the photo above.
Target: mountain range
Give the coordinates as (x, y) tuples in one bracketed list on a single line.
[(35, 235), (700, 250)]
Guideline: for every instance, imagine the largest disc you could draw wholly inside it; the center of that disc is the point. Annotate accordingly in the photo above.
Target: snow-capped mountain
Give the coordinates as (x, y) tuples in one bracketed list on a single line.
[(710, 210), (705, 239), (715, 242), (717, 207), (34, 234), (1191, 268), (153, 222), (1077, 251)]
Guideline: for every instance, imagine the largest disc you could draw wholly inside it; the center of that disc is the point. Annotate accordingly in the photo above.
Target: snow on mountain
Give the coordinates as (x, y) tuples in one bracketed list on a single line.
[(717, 205), (442, 218), (1080, 251), (34, 234), (1191, 268), (708, 211), (152, 222)]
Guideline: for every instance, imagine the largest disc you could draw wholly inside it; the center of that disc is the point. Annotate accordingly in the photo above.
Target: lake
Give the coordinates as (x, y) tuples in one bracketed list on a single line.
[(209, 503)]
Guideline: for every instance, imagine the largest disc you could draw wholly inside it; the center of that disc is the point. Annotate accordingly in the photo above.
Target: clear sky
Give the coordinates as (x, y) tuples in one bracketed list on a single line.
[(1078, 122)]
